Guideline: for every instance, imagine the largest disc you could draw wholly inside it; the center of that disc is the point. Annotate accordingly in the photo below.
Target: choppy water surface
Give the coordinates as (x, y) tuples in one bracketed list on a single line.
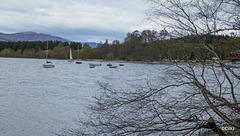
[(40, 101)]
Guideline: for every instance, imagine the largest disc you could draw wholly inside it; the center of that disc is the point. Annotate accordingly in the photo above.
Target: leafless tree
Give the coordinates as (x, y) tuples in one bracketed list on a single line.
[(188, 98)]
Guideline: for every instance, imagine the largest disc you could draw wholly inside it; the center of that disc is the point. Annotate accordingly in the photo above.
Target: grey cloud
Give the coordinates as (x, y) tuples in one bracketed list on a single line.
[(119, 16)]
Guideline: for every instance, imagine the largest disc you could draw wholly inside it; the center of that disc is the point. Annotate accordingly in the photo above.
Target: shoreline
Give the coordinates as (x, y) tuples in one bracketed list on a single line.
[(210, 63)]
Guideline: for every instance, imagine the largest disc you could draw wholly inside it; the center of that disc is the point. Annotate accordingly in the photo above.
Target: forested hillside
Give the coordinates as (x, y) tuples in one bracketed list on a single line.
[(138, 46), (154, 46)]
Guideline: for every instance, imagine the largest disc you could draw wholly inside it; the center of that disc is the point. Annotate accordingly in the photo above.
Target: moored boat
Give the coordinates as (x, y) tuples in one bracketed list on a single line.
[(109, 64), (121, 64), (78, 61), (48, 63), (112, 66), (91, 64), (232, 66)]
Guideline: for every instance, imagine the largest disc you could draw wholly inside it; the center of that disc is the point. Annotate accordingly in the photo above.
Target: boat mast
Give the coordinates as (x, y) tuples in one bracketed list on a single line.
[(78, 52), (47, 52)]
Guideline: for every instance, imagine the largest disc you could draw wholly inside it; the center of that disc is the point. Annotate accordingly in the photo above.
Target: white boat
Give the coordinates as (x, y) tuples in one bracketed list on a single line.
[(48, 63), (70, 56), (91, 64)]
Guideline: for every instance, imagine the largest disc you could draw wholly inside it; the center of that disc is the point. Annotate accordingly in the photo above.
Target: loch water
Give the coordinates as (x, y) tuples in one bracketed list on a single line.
[(37, 101)]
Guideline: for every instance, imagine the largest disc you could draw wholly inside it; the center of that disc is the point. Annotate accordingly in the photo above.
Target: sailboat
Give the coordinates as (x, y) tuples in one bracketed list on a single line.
[(71, 58), (78, 61), (48, 63)]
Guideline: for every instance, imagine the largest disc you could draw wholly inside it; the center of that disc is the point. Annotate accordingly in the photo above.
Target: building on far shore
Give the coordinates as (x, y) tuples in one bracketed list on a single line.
[(234, 56)]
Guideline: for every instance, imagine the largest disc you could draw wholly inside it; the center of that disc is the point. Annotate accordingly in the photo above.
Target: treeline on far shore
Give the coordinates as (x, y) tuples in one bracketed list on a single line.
[(147, 45), (37, 49)]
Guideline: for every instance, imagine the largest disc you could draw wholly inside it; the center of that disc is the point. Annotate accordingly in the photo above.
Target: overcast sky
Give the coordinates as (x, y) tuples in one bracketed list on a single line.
[(76, 20)]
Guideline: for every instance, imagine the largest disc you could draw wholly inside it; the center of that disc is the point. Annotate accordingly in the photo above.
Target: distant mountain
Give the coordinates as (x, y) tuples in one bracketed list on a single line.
[(33, 36), (92, 44), (30, 36)]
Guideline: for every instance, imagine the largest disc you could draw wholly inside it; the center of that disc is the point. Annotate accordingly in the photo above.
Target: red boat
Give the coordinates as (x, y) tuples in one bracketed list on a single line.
[(78, 62), (121, 64)]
